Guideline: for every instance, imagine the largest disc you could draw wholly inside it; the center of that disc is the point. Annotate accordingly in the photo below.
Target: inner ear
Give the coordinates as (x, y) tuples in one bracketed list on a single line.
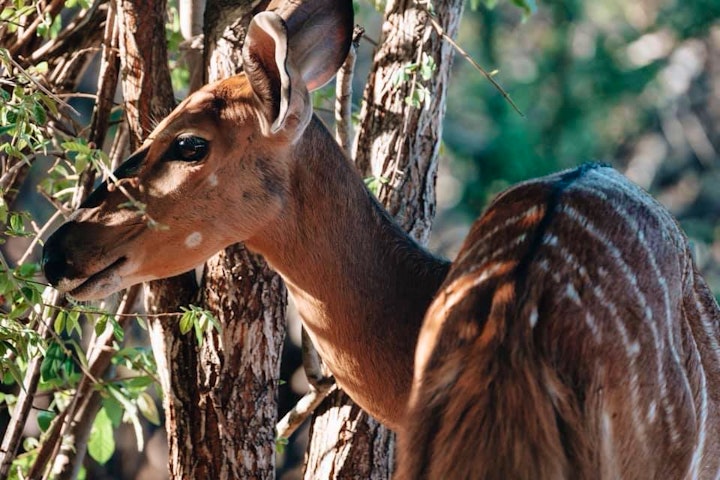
[(265, 63)]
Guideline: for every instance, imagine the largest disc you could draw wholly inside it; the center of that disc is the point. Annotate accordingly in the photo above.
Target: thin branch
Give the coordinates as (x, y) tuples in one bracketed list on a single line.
[(36, 239), (78, 24), (40, 86), (343, 94), (53, 9), (440, 31), (87, 401), (321, 385), (303, 409)]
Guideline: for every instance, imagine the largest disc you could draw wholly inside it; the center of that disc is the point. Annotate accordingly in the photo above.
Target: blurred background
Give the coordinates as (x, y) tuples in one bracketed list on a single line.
[(633, 84)]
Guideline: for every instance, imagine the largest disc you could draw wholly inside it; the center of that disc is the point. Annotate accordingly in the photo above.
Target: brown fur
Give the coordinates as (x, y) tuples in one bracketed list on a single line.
[(553, 400)]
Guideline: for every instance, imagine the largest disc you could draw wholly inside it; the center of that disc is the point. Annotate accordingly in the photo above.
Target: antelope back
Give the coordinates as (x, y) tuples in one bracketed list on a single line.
[(572, 338), (216, 170)]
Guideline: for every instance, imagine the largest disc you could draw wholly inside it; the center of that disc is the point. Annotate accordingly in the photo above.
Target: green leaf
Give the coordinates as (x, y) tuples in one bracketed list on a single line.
[(141, 323), (39, 114), (117, 329), (59, 324), (101, 445), (139, 382), (528, 7), (27, 270), (186, 321), (280, 444), (114, 411), (147, 407), (44, 419), (131, 411), (73, 323), (100, 324)]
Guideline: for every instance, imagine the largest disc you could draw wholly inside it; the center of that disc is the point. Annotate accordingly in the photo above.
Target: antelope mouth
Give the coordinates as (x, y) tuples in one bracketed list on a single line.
[(99, 284)]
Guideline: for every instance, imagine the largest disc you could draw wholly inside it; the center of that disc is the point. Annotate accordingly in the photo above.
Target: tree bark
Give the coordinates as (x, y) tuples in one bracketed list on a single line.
[(146, 86), (400, 144), (396, 141)]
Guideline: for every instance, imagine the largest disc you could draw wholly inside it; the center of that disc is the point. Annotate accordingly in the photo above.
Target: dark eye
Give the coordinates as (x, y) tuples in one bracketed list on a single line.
[(189, 148)]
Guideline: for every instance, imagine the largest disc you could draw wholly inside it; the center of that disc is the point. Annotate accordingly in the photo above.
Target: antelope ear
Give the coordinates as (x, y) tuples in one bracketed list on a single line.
[(292, 48), (265, 55), (320, 32)]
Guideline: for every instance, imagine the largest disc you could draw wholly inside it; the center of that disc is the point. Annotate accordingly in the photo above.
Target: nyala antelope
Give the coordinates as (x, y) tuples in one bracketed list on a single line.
[(572, 338)]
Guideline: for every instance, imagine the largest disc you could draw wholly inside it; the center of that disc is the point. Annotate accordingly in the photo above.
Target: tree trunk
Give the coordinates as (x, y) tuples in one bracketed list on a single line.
[(398, 143)]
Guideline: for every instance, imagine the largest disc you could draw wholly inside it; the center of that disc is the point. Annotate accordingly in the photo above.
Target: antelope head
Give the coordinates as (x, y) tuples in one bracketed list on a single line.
[(215, 171)]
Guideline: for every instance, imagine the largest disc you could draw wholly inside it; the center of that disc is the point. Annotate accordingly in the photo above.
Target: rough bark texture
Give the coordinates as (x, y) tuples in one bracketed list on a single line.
[(345, 442), (220, 399), (241, 367), (146, 85), (396, 141), (177, 359), (399, 143)]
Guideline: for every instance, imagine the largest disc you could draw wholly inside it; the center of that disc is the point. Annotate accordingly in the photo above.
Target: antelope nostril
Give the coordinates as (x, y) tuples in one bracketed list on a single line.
[(54, 264), (54, 259)]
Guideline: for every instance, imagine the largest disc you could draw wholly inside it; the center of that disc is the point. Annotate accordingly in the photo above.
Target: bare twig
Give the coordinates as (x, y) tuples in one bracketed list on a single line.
[(36, 239), (321, 384), (343, 94), (29, 33), (79, 23), (41, 87), (119, 145), (303, 409), (440, 31)]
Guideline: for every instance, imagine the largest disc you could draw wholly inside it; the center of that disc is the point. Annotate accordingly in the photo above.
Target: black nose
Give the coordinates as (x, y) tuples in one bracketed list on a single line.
[(54, 261)]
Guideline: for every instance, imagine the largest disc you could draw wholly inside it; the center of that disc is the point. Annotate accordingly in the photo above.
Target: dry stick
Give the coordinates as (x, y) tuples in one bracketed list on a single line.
[(120, 143), (86, 403), (79, 23), (461, 51), (343, 93), (74, 422), (13, 434), (36, 239), (53, 9), (42, 88), (302, 410)]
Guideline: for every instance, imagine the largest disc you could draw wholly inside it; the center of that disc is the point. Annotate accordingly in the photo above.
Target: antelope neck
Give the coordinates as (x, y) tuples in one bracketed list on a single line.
[(361, 285)]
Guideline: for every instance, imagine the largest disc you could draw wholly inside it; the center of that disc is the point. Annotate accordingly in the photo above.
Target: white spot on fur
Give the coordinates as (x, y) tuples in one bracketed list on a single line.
[(193, 240), (213, 180), (533, 317), (652, 412)]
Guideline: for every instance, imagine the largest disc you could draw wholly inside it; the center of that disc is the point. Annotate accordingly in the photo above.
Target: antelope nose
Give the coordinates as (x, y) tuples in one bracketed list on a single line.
[(54, 260)]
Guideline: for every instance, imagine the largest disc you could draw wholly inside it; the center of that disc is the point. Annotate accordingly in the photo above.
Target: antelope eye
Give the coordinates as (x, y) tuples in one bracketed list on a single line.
[(189, 148)]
